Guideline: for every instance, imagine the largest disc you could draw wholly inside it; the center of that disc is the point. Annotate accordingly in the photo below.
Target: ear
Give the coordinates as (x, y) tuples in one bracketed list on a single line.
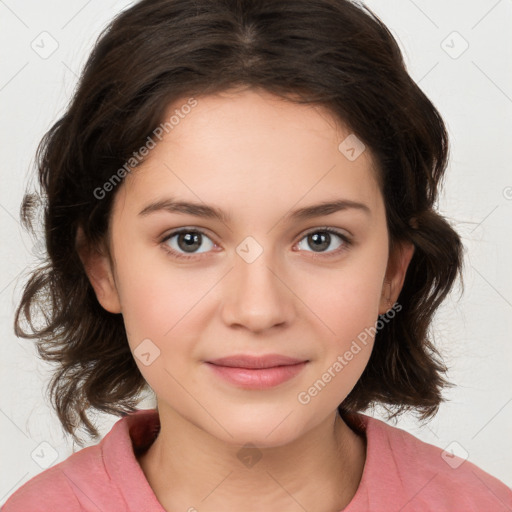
[(395, 275), (99, 270)]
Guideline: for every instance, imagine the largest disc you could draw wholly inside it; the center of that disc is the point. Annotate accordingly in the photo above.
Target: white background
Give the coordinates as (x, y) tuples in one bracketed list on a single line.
[(472, 90)]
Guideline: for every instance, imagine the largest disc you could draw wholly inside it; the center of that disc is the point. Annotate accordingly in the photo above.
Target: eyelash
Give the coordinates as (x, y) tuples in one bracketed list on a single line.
[(346, 245)]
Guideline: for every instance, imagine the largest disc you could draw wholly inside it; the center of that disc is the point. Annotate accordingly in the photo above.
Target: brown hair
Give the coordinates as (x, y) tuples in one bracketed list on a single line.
[(333, 53)]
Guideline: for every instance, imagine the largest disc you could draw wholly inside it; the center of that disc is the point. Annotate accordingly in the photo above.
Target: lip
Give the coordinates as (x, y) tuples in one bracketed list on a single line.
[(256, 362), (263, 372)]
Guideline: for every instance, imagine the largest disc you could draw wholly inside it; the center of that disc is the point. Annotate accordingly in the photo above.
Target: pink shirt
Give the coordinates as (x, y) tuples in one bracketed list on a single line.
[(401, 473)]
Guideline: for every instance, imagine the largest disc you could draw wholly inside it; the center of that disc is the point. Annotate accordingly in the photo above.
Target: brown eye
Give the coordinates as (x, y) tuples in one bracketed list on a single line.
[(321, 239), (185, 242)]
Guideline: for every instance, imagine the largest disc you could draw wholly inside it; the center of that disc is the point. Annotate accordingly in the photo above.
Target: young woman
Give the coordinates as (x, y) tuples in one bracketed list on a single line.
[(240, 215)]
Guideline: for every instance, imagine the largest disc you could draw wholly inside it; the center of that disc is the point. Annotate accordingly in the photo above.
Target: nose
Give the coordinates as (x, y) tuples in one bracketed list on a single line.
[(257, 296)]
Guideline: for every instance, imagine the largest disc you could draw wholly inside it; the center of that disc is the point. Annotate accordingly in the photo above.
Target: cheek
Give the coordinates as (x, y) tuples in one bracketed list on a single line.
[(346, 299), (153, 299), (156, 307), (161, 303), (348, 311)]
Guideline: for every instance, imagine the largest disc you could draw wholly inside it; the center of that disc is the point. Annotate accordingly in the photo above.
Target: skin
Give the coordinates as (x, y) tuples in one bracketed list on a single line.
[(256, 157)]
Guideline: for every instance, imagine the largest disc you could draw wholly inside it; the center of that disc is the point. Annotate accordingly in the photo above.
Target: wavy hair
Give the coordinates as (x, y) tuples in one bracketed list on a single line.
[(332, 53)]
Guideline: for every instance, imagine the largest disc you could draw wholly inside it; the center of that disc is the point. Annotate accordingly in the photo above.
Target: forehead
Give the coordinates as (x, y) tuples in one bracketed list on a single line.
[(253, 150)]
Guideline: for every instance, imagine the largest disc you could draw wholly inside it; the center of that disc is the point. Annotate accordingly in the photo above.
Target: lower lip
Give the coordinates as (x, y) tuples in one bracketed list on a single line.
[(262, 378)]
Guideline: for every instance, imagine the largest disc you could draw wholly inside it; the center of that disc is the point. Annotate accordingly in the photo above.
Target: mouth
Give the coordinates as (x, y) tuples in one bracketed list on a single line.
[(256, 362), (250, 372)]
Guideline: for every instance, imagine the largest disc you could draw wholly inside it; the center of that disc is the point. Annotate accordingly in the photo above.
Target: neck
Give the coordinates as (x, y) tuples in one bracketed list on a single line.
[(187, 467)]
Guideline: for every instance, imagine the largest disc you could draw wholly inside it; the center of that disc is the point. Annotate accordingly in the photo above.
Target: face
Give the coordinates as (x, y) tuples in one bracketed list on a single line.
[(258, 280)]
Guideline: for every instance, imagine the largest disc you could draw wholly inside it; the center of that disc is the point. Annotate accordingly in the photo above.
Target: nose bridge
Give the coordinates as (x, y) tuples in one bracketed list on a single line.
[(256, 295)]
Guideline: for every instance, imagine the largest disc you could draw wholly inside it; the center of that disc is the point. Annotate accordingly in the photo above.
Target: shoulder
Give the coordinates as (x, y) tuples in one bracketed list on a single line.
[(71, 485), (105, 476), (55, 488), (423, 476)]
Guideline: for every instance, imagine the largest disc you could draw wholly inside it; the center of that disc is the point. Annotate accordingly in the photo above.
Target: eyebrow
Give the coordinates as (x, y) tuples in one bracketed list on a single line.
[(212, 212)]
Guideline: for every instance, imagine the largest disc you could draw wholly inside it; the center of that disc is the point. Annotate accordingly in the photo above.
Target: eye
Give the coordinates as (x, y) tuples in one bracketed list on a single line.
[(321, 238), (187, 240)]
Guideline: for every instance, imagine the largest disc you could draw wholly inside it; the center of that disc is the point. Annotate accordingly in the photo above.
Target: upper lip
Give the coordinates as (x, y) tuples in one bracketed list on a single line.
[(246, 361)]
